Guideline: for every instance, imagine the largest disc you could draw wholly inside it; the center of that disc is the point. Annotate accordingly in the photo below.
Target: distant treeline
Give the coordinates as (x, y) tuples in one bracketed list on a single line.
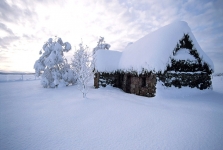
[(218, 74)]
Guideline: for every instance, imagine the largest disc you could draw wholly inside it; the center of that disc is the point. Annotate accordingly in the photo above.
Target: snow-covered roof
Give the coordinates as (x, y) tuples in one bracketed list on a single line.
[(152, 52), (107, 60)]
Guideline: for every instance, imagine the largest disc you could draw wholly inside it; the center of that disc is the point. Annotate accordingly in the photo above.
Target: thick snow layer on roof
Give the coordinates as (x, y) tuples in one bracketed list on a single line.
[(107, 60), (184, 54), (153, 51)]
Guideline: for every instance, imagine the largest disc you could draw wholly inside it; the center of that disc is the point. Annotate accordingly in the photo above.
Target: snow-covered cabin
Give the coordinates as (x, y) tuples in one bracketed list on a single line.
[(171, 53)]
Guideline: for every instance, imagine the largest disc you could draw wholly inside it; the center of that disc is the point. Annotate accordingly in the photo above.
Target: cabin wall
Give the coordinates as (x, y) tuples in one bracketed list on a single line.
[(104, 79), (184, 73), (194, 80), (144, 85), (194, 74)]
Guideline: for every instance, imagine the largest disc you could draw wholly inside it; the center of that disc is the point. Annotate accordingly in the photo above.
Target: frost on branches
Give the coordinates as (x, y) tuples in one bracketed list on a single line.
[(101, 45), (52, 65), (83, 66)]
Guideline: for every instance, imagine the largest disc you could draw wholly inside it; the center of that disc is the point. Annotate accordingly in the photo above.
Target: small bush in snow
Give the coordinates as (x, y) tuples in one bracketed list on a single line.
[(52, 65), (83, 66)]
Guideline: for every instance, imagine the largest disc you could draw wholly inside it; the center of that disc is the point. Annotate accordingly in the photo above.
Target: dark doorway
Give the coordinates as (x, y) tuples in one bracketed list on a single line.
[(128, 84), (143, 81), (121, 78)]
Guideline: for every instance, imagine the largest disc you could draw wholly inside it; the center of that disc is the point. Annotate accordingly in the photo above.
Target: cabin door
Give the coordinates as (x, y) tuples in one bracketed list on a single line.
[(128, 84)]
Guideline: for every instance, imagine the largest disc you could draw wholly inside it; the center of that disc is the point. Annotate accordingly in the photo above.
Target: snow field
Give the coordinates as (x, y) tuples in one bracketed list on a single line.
[(32, 117)]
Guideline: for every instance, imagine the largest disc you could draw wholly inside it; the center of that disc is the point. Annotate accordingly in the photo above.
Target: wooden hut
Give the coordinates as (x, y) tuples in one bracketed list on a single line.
[(170, 54)]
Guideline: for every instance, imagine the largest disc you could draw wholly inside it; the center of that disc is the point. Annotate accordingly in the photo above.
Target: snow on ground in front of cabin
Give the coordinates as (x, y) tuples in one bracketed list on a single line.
[(32, 117)]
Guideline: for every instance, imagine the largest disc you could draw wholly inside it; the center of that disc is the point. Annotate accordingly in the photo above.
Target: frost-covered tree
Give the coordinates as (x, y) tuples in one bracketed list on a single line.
[(52, 65), (83, 66), (101, 45)]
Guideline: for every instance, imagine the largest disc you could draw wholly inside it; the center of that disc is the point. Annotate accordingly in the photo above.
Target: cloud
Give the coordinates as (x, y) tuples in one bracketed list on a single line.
[(15, 11), (14, 17), (29, 24), (6, 29), (8, 40)]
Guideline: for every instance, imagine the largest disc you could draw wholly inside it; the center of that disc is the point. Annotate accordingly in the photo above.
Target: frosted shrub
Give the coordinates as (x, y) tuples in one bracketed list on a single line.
[(101, 45), (83, 67), (52, 65)]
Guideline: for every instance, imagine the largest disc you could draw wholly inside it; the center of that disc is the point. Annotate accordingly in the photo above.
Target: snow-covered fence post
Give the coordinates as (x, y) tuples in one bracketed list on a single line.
[(83, 66)]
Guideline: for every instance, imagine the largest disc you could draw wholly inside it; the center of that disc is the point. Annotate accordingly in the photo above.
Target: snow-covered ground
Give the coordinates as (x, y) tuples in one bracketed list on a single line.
[(32, 118)]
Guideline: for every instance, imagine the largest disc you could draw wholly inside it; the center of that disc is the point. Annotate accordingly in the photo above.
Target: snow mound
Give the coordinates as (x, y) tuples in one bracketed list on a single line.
[(184, 54), (153, 51), (107, 60)]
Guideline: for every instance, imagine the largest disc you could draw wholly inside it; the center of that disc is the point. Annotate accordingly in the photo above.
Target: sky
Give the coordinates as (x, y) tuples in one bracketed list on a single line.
[(26, 24)]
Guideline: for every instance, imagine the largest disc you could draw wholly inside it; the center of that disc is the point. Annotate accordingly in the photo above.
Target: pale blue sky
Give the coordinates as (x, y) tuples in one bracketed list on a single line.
[(25, 25)]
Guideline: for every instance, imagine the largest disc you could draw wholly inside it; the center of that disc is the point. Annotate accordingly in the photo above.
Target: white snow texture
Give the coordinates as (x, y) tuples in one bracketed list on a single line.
[(82, 64), (107, 60), (53, 65), (152, 52), (34, 118)]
